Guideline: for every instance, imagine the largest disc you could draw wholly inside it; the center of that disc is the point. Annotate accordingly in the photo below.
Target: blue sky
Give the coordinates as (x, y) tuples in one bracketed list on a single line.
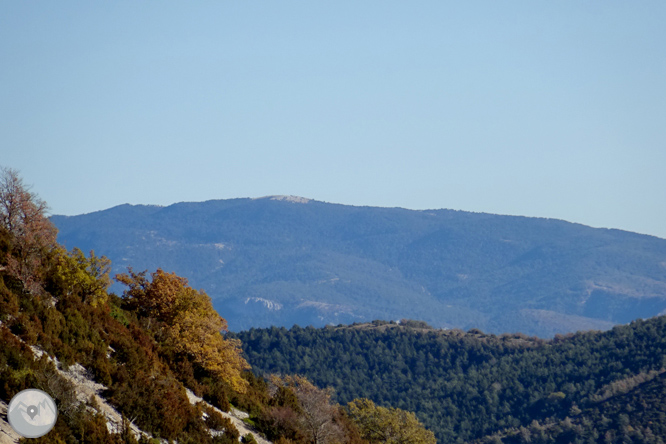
[(549, 109)]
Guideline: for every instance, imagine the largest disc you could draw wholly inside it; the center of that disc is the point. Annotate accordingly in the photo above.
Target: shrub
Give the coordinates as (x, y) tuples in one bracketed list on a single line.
[(249, 439)]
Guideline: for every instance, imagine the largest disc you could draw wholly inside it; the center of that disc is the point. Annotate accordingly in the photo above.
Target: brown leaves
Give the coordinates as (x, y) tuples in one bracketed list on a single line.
[(317, 415), (23, 215)]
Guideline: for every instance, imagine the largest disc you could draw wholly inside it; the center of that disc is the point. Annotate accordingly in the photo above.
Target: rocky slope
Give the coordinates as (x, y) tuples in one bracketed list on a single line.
[(89, 391)]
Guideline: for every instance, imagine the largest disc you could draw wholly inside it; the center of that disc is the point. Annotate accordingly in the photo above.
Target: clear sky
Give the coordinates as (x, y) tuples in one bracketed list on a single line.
[(536, 108)]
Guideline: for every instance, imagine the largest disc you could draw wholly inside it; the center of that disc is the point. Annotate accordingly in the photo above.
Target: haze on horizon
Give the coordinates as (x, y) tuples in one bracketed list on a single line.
[(537, 109)]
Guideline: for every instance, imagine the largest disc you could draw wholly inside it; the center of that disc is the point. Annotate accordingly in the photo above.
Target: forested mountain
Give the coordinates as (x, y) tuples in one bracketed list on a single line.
[(472, 387), (284, 261)]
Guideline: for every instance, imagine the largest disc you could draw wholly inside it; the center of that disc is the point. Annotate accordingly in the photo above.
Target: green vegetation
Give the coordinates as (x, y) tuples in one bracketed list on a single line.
[(145, 348), (467, 386), (60, 305), (390, 426)]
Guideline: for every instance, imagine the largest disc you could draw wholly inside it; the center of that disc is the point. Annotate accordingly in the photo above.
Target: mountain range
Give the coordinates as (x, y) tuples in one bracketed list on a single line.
[(284, 260)]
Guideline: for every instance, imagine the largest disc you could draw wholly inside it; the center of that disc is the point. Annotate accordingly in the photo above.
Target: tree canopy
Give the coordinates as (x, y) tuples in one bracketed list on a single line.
[(318, 414), (89, 276), (387, 425), (464, 386), (187, 322), (23, 215)]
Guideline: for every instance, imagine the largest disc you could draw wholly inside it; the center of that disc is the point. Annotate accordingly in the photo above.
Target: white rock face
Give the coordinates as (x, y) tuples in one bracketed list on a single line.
[(7, 434), (236, 417), (270, 305), (292, 199)]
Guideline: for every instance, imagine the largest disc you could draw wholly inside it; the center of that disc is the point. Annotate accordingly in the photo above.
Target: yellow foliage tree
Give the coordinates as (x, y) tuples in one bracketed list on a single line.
[(189, 322), (74, 272), (387, 425)]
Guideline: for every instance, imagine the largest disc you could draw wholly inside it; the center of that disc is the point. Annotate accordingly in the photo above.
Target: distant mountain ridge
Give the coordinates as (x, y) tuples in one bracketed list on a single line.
[(284, 260)]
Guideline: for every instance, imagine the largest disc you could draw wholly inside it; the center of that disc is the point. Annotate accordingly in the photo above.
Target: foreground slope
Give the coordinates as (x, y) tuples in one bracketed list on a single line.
[(476, 387), (284, 261), (150, 366), (111, 372)]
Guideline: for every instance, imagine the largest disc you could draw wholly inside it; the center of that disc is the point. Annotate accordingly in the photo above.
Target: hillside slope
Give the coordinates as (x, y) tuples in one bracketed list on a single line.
[(152, 366), (473, 387), (284, 261)]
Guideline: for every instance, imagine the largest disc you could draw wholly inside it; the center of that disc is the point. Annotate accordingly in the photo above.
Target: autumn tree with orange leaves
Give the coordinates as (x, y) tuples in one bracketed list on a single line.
[(186, 322)]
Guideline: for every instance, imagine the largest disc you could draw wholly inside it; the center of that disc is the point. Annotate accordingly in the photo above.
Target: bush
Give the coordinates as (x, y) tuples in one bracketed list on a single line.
[(249, 439), (217, 393), (215, 421)]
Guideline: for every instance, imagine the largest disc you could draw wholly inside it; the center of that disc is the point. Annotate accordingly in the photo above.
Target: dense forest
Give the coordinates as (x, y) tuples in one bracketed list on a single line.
[(144, 350), (469, 386)]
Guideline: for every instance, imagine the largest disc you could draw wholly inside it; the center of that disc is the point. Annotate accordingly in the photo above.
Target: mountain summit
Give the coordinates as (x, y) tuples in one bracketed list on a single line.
[(268, 261)]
